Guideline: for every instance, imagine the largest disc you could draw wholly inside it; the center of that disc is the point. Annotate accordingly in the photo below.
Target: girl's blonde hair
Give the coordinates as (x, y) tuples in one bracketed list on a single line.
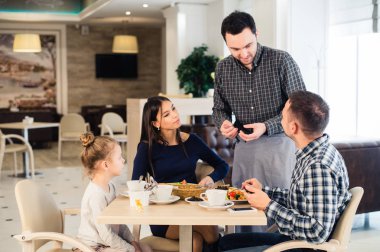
[(95, 149)]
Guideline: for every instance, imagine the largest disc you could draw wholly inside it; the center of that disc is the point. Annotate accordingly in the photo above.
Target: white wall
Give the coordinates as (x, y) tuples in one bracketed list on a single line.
[(185, 29)]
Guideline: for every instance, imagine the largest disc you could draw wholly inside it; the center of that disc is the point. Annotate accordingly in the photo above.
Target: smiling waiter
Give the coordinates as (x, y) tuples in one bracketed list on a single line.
[(254, 83)]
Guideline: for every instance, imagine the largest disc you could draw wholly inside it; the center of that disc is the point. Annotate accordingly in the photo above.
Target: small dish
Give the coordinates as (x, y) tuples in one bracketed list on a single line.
[(192, 202), (172, 199), (226, 205)]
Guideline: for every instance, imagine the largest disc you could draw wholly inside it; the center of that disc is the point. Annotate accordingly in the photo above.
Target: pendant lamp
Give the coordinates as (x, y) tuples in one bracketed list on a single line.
[(125, 44)]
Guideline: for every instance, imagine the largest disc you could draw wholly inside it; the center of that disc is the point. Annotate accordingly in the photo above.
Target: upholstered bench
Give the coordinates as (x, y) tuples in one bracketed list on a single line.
[(362, 158)]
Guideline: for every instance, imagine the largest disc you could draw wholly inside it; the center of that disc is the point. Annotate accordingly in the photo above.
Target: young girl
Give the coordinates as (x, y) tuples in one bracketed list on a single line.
[(171, 156), (102, 161)]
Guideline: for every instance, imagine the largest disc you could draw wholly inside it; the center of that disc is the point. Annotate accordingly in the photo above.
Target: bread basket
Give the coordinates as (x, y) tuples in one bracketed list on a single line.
[(188, 190)]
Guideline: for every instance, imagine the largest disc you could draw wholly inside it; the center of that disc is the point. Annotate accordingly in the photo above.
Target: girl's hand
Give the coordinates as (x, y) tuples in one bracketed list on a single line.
[(207, 182)]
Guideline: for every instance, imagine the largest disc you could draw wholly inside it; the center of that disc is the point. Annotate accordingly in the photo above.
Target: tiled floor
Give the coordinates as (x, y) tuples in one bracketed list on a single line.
[(65, 181)]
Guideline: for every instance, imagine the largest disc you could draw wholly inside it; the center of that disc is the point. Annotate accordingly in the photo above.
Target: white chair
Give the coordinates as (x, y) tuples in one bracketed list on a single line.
[(115, 127), (12, 147), (341, 235), (41, 220), (70, 129)]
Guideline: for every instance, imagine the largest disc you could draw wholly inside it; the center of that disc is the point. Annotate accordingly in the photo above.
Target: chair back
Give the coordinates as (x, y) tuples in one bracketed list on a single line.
[(38, 210), (72, 125), (114, 122), (343, 228)]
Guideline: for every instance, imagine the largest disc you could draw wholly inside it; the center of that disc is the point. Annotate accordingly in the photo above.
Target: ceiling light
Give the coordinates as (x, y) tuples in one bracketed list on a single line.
[(27, 43), (127, 13), (125, 44), (145, 5)]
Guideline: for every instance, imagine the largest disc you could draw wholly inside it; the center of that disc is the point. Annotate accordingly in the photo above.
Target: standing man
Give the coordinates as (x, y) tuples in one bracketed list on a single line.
[(319, 185), (254, 83)]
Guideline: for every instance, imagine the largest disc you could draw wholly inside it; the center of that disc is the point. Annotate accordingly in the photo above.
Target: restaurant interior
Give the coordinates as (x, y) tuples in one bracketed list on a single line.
[(77, 67)]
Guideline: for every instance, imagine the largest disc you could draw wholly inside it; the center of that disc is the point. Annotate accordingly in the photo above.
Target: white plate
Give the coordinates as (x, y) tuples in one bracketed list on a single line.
[(170, 200), (227, 205), (192, 202)]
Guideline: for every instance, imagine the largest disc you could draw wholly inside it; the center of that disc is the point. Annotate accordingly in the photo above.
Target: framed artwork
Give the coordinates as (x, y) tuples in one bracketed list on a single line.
[(28, 80), (34, 80)]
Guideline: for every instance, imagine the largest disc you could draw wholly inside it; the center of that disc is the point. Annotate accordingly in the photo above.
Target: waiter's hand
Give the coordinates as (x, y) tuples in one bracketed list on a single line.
[(258, 130), (228, 130)]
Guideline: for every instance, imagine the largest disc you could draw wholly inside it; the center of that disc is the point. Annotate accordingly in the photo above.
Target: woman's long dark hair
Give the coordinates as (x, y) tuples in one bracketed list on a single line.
[(149, 133)]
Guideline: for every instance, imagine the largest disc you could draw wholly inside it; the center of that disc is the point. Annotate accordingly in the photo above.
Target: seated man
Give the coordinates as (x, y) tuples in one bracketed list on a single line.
[(318, 192)]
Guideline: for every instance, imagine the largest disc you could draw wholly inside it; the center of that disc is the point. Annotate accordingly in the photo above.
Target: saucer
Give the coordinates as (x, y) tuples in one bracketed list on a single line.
[(162, 202), (226, 205)]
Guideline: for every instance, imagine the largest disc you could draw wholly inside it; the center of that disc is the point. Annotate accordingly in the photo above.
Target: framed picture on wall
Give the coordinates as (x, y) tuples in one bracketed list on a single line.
[(28, 80), (33, 80)]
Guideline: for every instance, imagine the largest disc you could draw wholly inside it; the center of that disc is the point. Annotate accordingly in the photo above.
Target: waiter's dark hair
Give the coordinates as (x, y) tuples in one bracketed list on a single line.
[(236, 22), (311, 111)]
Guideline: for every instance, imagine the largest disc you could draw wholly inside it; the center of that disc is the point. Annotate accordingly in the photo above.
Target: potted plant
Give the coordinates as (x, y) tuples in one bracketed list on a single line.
[(194, 72)]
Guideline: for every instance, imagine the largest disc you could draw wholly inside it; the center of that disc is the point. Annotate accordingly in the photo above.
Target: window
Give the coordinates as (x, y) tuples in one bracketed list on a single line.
[(353, 85)]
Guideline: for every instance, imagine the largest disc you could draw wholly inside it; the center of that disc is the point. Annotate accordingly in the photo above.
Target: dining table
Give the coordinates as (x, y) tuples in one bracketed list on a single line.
[(179, 213), (25, 127)]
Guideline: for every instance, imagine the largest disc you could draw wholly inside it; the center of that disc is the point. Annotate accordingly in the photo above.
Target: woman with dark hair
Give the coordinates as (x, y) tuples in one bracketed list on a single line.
[(170, 155)]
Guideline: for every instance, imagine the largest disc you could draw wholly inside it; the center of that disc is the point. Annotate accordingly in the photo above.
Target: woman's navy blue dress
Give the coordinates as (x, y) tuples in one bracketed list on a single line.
[(172, 165)]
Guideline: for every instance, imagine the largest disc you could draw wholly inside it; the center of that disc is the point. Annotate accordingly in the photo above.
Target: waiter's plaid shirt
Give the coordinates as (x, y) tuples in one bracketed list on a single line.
[(317, 196), (258, 95)]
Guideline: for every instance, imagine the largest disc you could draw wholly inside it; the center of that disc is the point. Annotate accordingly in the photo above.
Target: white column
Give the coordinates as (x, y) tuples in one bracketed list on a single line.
[(186, 28)]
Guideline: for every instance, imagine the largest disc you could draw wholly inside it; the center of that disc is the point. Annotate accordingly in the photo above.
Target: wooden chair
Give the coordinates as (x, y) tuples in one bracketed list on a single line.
[(341, 235), (12, 147), (41, 219), (70, 128)]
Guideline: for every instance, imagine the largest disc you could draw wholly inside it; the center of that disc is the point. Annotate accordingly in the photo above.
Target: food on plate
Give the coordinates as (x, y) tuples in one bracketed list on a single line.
[(234, 193)]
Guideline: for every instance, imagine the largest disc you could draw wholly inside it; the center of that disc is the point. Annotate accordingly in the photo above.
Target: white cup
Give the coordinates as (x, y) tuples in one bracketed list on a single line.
[(142, 196), (215, 197), (135, 185), (163, 192), (28, 120), (210, 92)]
